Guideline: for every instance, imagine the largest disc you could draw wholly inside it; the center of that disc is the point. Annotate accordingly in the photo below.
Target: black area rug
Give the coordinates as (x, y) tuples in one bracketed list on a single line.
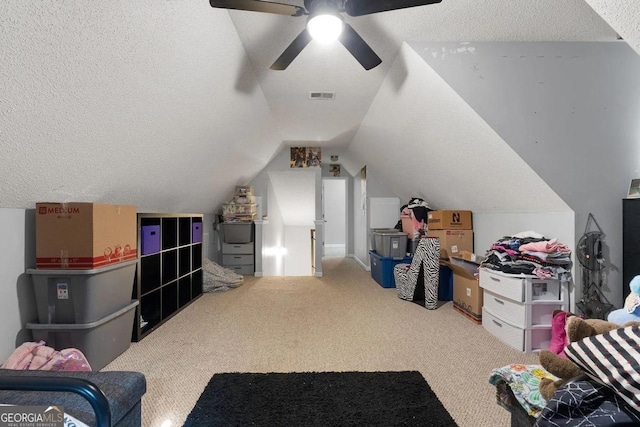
[(319, 399)]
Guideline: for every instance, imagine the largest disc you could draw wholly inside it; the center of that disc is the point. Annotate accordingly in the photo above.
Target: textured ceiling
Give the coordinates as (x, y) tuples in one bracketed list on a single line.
[(170, 104), (332, 68)]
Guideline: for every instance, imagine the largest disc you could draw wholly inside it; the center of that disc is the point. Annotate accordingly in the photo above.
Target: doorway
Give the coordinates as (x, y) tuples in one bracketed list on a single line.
[(334, 214)]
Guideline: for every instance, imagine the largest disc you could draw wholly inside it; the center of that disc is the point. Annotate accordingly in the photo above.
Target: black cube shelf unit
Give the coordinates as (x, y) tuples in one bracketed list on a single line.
[(169, 273)]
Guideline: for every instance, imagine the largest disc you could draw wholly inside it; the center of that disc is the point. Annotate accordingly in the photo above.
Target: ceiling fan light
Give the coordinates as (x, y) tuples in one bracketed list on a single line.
[(325, 28)]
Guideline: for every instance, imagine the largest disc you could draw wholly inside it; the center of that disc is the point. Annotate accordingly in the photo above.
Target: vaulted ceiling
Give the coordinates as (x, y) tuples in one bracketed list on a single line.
[(170, 104), (331, 68)]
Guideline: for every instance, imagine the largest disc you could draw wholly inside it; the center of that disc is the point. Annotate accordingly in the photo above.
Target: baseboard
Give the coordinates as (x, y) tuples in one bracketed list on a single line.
[(366, 267), (318, 274), (258, 274)]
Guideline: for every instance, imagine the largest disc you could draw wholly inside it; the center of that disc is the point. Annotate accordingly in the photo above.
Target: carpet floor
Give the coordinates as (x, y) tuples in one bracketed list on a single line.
[(401, 398)]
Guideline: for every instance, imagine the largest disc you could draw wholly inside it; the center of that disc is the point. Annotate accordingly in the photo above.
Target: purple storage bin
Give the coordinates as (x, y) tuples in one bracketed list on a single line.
[(196, 232), (150, 239)]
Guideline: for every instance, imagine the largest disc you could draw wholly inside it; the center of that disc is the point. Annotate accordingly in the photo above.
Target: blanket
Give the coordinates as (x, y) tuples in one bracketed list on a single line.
[(38, 356), (218, 279), (524, 382)]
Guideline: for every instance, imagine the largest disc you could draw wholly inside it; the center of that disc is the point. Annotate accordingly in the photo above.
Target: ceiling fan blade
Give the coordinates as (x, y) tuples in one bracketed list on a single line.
[(259, 6), (359, 48), (292, 51), (366, 7)]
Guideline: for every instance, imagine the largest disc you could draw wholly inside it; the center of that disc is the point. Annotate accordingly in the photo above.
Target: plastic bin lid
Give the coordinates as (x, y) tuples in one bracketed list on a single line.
[(76, 326), (78, 272)]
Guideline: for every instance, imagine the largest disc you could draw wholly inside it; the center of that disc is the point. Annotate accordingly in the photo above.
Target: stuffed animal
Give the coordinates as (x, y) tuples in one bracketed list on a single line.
[(577, 328), (631, 310)]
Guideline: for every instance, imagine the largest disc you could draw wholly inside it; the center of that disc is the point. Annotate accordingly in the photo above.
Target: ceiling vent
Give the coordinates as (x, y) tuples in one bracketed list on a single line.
[(327, 96)]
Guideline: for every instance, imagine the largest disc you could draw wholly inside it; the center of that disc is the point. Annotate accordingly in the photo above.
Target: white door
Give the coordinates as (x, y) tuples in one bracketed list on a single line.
[(334, 205)]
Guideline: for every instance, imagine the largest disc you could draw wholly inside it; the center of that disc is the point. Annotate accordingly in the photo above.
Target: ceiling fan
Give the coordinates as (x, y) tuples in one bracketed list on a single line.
[(327, 12)]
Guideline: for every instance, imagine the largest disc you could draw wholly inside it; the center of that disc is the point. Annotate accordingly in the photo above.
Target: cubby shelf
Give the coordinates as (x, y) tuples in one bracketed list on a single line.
[(169, 271)]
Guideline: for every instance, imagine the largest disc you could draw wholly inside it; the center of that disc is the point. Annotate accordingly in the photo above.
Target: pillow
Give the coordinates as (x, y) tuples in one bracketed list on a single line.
[(558, 333), (612, 359)]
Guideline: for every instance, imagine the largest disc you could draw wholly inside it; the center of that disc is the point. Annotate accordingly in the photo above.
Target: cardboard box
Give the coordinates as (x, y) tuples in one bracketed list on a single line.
[(469, 256), (449, 220), (453, 241), (244, 190), (467, 294), (84, 235)]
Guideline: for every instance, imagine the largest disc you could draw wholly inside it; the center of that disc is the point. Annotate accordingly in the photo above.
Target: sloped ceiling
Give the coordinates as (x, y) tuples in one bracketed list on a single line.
[(623, 16), (442, 150), (169, 105), (127, 102), (331, 68)]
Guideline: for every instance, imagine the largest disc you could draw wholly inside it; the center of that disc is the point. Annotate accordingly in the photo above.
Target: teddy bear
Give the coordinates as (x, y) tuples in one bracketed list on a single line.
[(576, 328), (631, 310)]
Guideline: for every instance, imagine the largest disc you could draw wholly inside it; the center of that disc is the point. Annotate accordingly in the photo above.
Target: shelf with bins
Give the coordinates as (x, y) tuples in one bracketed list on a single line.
[(169, 273), (518, 309)]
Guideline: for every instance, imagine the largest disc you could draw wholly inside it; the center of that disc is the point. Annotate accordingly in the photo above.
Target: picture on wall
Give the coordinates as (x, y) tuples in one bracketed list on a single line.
[(634, 189), (304, 157), (334, 170)]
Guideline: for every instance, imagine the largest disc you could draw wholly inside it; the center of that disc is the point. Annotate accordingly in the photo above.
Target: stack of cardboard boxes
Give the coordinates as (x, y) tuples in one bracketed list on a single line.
[(243, 207), (454, 229)]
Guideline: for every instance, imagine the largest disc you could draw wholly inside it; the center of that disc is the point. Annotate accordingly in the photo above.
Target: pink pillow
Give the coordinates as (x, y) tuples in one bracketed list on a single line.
[(558, 334)]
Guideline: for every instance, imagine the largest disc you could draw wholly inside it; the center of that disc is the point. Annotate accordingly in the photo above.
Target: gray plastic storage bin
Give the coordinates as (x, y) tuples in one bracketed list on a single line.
[(372, 237), (391, 244), (82, 296), (237, 232), (100, 341)]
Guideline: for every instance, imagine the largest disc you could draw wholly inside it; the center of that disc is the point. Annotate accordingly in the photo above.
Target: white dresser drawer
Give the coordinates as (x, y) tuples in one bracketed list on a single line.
[(237, 248), (536, 339), (511, 311), (236, 260), (542, 314), (511, 287), (507, 333), (520, 287)]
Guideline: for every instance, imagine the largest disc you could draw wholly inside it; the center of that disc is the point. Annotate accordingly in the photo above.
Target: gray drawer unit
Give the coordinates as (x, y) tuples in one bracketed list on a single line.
[(238, 257), (237, 248), (241, 269)]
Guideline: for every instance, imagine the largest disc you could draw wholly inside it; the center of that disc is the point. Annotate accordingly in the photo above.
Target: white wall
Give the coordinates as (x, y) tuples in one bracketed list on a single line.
[(17, 303), (274, 238), (360, 245), (298, 258), (570, 110), (292, 199), (335, 211), (385, 212)]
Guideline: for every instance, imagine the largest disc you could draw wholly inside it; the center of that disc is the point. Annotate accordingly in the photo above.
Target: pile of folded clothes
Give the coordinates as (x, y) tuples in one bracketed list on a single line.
[(529, 253)]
